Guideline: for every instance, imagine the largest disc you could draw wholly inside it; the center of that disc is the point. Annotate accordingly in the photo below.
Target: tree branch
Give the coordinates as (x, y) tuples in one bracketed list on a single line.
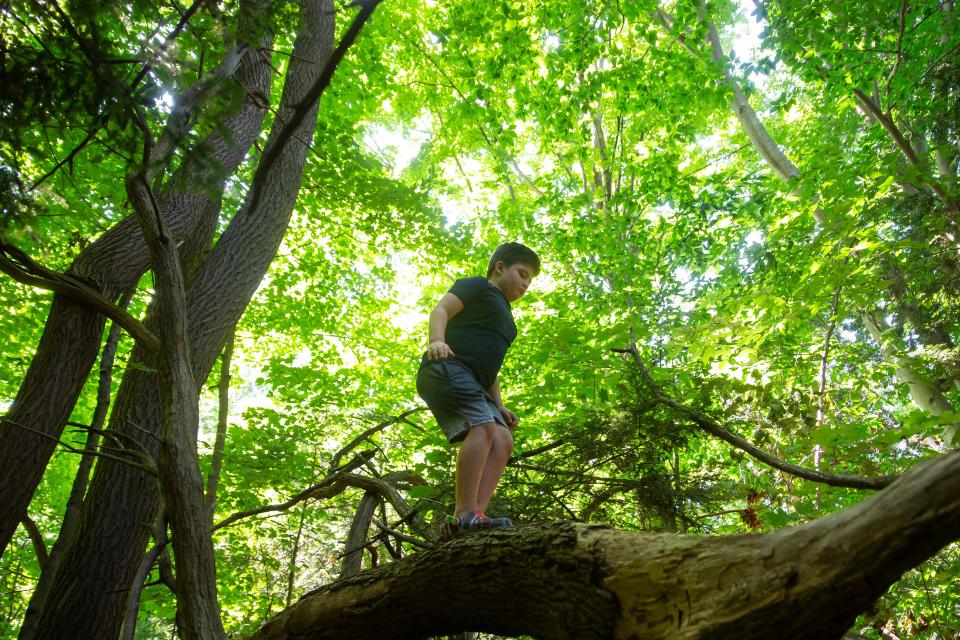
[(711, 427), (147, 466), (36, 538), (902, 15), (184, 19), (22, 268), (178, 122), (350, 446), (300, 111), (313, 491), (417, 542)]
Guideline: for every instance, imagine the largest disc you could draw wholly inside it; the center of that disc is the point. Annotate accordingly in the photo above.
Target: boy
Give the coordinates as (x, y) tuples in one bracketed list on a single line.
[(470, 331)]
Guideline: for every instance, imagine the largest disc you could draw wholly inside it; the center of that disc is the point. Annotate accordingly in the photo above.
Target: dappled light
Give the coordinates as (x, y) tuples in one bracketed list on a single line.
[(227, 231)]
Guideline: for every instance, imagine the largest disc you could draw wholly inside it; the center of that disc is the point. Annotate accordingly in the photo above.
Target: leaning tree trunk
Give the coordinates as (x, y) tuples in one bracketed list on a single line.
[(582, 582), (80, 482), (114, 264), (357, 536), (89, 594)]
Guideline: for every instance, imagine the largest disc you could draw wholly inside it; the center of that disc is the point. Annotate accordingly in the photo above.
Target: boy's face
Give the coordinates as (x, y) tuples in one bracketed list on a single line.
[(513, 280)]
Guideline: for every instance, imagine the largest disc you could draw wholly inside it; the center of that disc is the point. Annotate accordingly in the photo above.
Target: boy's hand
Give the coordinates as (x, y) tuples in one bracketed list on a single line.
[(439, 350), (510, 417)]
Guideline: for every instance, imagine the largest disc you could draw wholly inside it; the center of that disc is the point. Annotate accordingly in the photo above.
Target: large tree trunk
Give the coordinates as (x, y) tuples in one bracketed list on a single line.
[(114, 264), (80, 482), (581, 581), (88, 597)]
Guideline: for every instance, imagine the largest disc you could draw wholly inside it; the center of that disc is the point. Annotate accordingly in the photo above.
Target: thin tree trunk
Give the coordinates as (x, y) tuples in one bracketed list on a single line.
[(357, 536), (754, 128), (923, 391), (580, 581), (223, 415), (294, 554), (129, 627), (198, 610)]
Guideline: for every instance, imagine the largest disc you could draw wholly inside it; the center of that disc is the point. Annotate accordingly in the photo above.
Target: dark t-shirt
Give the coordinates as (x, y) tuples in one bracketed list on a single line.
[(483, 330)]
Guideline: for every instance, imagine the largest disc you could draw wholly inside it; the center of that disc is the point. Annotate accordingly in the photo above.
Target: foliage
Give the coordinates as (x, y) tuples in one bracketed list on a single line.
[(605, 140)]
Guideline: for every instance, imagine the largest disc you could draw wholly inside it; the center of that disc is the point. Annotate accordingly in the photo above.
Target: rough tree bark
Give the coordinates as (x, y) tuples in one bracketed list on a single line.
[(90, 593), (80, 482), (112, 265), (198, 611), (581, 581)]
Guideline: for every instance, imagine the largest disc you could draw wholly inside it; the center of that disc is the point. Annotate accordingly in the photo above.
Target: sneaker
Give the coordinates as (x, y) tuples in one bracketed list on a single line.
[(480, 520), (474, 521)]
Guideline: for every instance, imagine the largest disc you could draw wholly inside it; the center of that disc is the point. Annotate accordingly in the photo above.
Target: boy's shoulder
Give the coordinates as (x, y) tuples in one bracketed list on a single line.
[(470, 286), (474, 289), (472, 280)]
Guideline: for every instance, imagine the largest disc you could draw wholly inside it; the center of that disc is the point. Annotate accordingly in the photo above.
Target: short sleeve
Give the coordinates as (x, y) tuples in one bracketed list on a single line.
[(468, 288)]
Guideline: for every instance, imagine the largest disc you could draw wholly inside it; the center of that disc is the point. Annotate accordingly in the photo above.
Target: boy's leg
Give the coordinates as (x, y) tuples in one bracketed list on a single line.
[(471, 464), (500, 450)]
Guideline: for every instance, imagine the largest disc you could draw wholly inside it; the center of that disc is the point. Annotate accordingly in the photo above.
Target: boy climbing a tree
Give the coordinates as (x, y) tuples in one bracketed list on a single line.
[(471, 329)]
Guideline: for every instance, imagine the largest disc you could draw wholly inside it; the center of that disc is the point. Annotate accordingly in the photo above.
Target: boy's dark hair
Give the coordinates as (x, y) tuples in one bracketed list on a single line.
[(511, 253)]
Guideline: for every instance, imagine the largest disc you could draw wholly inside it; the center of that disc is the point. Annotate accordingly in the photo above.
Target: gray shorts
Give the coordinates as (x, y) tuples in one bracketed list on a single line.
[(455, 397)]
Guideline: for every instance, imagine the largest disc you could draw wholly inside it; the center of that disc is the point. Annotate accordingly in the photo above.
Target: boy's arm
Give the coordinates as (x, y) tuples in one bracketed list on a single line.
[(449, 306), (508, 415)]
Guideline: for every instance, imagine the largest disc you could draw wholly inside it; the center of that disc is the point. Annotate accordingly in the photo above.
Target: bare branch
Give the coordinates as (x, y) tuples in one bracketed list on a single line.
[(350, 446), (535, 452), (36, 537), (333, 480), (417, 542), (147, 466), (22, 268)]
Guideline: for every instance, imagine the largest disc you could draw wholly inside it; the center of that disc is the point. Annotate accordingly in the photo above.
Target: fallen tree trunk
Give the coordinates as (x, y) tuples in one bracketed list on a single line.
[(570, 580)]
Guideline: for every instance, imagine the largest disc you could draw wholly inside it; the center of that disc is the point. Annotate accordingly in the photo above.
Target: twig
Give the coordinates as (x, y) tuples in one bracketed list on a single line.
[(145, 69), (822, 386), (350, 446), (926, 590), (311, 491), (401, 536), (896, 65), (98, 126), (147, 466), (537, 451)]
